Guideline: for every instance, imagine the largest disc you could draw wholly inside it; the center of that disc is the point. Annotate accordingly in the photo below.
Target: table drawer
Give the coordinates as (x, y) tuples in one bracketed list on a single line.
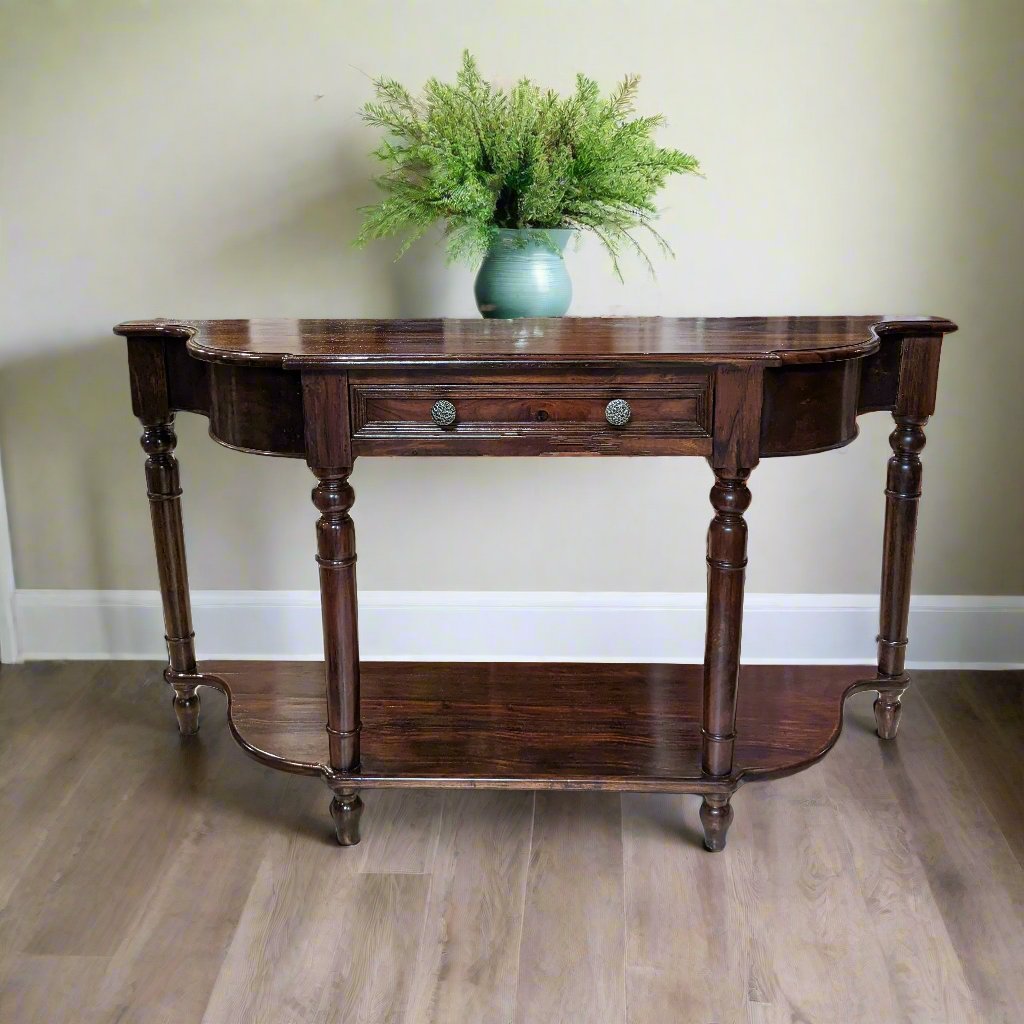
[(530, 418)]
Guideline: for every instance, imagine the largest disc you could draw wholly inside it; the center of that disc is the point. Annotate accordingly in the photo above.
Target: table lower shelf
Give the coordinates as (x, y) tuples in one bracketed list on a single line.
[(536, 726)]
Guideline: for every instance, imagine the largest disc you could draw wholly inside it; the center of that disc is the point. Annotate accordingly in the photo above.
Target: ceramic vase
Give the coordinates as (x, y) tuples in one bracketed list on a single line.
[(523, 274)]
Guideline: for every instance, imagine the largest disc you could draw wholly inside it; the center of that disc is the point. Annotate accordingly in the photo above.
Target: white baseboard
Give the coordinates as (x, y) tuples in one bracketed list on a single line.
[(946, 632)]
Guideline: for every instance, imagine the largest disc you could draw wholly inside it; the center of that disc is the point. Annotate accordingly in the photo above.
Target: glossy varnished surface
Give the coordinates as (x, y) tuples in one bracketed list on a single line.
[(550, 413), (319, 343), (616, 726), (732, 390), (524, 387)]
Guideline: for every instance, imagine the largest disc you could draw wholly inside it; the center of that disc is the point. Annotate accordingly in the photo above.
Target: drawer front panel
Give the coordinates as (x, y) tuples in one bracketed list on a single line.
[(505, 417)]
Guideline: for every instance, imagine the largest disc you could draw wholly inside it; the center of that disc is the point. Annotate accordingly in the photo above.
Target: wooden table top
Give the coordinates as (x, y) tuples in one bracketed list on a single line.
[(312, 343)]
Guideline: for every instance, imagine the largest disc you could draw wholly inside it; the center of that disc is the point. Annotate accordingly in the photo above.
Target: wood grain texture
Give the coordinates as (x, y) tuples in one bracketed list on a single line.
[(163, 488), (813, 408), (737, 419), (951, 833), (52, 908), (405, 833), (802, 920), (532, 388), (726, 569), (325, 413), (918, 379), (169, 962), (543, 725), (38, 779), (675, 964), (924, 971), (572, 954), (535, 388), (984, 721), (320, 941), (128, 907), (149, 379), (540, 417), (256, 409), (336, 563), (955, 868), (878, 887), (307, 343), (467, 965)]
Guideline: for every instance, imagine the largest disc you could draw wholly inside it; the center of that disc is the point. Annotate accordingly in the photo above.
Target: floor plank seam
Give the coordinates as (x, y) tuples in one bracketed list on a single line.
[(980, 794), (522, 916)]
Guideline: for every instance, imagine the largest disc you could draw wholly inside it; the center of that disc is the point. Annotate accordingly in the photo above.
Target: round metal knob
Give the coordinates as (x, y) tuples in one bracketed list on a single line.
[(617, 412), (443, 413)]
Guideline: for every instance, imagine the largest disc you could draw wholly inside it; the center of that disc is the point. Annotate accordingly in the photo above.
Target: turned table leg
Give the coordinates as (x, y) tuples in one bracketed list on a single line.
[(738, 398), (715, 818), (902, 495), (346, 810), (164, 489), (915, 402), (336, 558), (727, 560), (329, 455)]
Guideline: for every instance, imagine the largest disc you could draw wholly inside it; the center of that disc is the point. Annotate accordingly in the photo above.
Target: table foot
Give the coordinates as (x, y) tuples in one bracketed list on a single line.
[(716, 817), (346, 809), (186, 709), (888, 709)]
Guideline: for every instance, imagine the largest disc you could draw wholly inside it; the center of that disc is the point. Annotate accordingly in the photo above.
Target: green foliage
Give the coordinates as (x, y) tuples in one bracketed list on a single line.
[(481, 158)]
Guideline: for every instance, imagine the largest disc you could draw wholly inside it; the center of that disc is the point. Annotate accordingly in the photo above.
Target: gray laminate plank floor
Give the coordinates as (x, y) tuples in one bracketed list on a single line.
[(147, 880)]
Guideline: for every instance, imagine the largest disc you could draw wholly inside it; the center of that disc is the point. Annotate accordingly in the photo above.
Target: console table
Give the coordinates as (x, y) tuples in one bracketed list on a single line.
[(730, 390)]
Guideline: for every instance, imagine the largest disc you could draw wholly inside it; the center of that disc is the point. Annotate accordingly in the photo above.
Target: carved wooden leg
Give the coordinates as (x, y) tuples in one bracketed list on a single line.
[(727, 560), (716, 817), (336, 557), (164, 489), (346, 810), (902, 495), (888, 711), (185, 703)]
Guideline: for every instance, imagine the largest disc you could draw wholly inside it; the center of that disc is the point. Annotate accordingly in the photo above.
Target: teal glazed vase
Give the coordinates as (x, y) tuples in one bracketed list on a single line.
[(523, 274)]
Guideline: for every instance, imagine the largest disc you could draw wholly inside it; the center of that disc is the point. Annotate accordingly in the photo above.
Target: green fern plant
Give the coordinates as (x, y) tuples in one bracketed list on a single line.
[(480, 158)]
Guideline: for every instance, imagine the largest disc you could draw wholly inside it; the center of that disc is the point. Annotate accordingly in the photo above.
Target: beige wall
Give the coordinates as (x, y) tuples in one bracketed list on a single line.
[(203, 159)]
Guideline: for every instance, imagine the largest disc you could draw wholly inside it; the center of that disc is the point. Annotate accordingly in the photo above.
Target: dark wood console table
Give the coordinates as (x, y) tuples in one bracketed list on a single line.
[(730, 390)]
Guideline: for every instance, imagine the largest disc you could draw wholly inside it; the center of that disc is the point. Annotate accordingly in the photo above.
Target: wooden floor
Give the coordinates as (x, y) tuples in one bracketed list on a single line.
[(142, 880)]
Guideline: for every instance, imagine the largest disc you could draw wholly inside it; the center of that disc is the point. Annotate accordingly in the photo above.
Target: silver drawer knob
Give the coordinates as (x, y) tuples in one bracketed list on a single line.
[(617, 412), (443, 413)]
